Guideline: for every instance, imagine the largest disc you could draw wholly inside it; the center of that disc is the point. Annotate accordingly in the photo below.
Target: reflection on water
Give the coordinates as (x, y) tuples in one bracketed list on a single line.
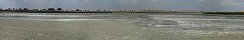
[(120, 26)]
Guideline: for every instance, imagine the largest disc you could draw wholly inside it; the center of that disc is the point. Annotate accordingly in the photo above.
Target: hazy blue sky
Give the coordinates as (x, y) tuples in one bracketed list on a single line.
[(206, 5)]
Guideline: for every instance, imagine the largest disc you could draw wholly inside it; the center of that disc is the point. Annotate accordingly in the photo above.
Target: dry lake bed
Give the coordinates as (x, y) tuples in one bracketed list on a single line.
[(120, 26)]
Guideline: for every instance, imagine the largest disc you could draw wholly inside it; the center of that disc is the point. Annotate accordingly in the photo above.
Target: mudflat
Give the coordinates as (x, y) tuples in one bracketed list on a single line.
[(121, 27)]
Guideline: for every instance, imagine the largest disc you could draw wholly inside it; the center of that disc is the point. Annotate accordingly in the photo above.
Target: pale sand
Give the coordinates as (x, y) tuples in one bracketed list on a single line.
[(99, 30), (68, 30)]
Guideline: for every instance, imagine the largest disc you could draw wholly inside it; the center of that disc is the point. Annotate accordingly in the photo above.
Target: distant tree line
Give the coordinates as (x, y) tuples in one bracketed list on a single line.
[(74, 10), (26, 9), (48, 10)]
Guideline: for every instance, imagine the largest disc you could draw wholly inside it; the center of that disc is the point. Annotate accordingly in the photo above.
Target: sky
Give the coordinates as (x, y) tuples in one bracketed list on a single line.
[(174, 5)]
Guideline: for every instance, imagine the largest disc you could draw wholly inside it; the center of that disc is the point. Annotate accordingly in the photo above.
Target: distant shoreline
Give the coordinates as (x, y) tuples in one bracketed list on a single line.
[(169, 12), (93, 12), (225, 13)]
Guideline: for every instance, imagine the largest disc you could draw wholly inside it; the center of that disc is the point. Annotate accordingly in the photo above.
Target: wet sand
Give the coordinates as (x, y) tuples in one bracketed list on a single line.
[(125, 27), (75, 30)]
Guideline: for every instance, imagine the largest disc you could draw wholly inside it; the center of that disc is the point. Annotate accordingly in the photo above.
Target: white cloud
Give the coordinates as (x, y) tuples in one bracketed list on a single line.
[(201, 0), (7, 4), (128, 1), (85, 0), (154, 0), (77, 0), (232, 2)]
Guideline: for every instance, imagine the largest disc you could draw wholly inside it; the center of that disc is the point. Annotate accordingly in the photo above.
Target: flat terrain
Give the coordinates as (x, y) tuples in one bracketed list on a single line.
[(105, 26)]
